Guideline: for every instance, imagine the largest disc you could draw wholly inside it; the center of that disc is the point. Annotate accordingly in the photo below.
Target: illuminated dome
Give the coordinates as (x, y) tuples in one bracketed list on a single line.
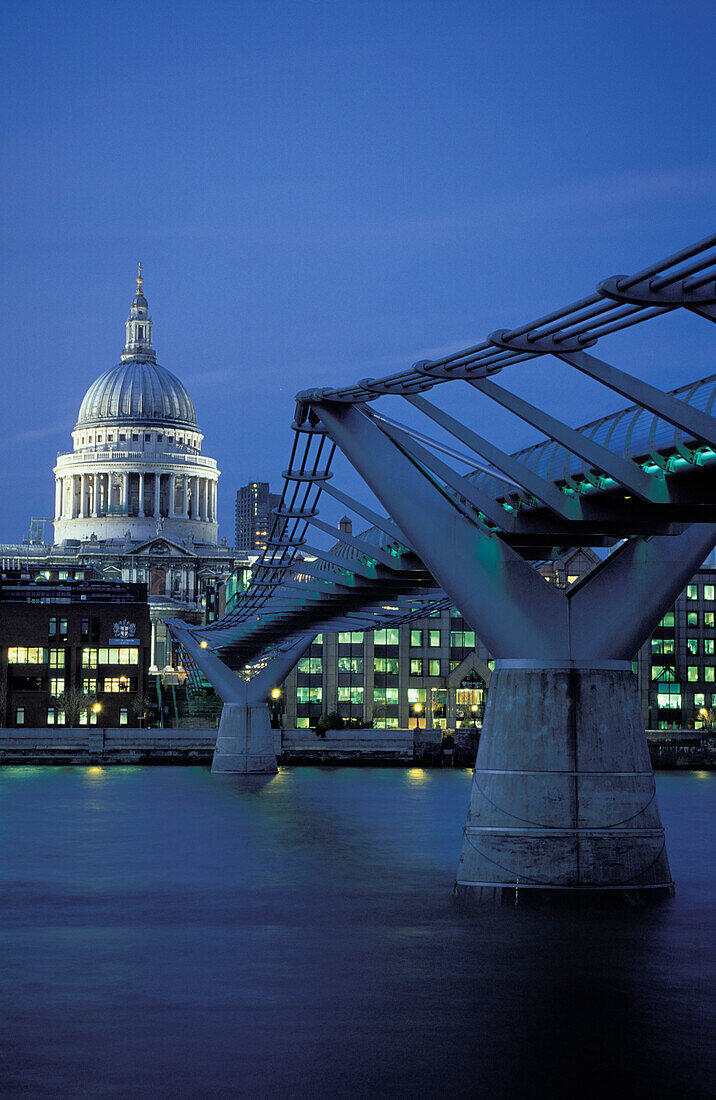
[(137, 392)]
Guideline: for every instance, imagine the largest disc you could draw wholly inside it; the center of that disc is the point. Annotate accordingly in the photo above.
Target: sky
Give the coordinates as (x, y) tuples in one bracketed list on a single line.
[(324, 191)]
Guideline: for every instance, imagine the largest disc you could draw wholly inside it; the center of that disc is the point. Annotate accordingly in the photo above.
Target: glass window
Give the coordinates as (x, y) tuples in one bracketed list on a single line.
[(318, 640), (50, 716), (668, 702), (310, 665), (708, 591), (26, 655), (309, 694), (434, 639), (350, 694), (662, 645), (117, 683), (57, 685), (123, 716), (350, 664), (89, 685), (57, 658), (692, 618), (668, 619), (416, 637), (20, 716), (52, 629), (417, 695), (699, 700), (388, 665), (433, 668), (303, 723), (709, 645), (63, 626), (709, 618), (692, 645), (692, 672), (462, 639), (709, 674), (386, 637), (692, 591), (416, 666), (147, 437)]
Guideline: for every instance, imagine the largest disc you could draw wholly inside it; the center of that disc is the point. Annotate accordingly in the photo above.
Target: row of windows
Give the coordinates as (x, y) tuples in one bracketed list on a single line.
[(114, 655), (708, 618), (385, 665), (110, 684), (661, 646), (693, 672), (692, 592), (191, 441)]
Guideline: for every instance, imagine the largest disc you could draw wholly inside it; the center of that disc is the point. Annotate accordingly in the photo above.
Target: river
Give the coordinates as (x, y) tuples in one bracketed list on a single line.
[(166, 933)]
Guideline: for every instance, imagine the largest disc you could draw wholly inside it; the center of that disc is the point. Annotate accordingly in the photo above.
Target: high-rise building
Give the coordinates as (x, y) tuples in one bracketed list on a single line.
[(254, 516)]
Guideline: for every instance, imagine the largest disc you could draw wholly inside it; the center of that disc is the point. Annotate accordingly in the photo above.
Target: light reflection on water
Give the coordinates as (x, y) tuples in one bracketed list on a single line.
[(169, 933)]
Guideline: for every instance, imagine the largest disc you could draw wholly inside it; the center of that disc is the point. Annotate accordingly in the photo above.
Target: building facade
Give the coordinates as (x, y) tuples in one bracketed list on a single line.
[(254, 516), (72, 652), (135, 499)]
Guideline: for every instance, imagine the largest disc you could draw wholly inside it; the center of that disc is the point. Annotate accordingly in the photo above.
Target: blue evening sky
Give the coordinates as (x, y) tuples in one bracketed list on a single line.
[(321, 191)]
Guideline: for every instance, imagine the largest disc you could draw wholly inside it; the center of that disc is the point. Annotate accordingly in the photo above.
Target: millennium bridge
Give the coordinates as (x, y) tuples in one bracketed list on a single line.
[(563, 797)]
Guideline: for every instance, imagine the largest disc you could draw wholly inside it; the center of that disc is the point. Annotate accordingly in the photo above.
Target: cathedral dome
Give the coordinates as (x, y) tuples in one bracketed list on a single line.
[(137, 392)]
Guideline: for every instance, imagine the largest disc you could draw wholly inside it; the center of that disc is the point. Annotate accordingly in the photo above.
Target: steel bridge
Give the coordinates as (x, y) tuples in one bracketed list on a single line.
[(563, 797)]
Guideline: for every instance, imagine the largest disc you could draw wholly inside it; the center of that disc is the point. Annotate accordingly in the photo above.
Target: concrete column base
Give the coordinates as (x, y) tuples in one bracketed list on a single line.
[(563, 801), (245, 741)]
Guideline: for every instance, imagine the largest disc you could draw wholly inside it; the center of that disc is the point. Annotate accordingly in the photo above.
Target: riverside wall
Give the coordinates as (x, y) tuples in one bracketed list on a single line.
[(426, 748)]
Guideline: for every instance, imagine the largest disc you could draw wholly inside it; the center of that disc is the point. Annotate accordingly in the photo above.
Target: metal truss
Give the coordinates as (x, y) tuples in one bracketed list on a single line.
[(648, 470)]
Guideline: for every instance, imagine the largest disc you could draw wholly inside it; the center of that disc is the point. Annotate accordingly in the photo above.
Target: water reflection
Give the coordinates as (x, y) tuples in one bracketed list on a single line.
[(297, 936)]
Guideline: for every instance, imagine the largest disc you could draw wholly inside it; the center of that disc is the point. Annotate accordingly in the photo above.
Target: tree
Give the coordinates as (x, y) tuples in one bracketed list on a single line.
[(140, 706), (73, 701)]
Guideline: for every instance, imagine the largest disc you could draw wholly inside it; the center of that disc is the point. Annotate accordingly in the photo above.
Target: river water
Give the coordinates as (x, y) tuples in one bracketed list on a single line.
[(166, 933)]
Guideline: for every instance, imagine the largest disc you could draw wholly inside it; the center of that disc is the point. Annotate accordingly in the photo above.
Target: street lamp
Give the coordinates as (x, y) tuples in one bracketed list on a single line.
[(418, 710), (275, 696), (204, 645), (474, 708)]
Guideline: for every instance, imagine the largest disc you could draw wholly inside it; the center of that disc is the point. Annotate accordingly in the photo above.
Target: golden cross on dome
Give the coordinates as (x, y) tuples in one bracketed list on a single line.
[(140, 280)]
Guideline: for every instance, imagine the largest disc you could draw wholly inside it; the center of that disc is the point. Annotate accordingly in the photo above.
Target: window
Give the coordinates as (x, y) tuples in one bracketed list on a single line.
[(709, 674), (160, 437), (55, 716), (147, 437), (709, 617), (692, 672), (309, 694), (303, 723), (110, 437), (668, 619), (20, 716), (135, 436), (416, 666), (416, 637), (350, 637), (709, 592), (434, 639), (89, 685), (350, 664), (123, 716), (57, 658), (692, 591), (26, 655), (417, 695), (389, 696), (388, 665), (662, 645), (114, 655), (119, 683), (100, 437), (310, 665), (658, 672), (692, 645), (386, 723), (709, 645), (692, 618), (433, 668), (57, 685), (462, 639), (122, 437), (350, 694), (52, 628), (699, 700), (386, 637)]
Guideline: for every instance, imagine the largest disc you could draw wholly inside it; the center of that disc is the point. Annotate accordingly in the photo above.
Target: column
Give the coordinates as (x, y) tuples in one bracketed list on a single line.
[(141, 493), (95, 495), (202, 498), (172, 496), (212, 501), (58, 498), (84, 510), (185, 501), (125, 492)]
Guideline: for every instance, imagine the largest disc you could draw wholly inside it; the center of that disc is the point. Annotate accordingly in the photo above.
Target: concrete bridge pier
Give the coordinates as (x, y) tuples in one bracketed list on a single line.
[(563, 799), (245, 740)]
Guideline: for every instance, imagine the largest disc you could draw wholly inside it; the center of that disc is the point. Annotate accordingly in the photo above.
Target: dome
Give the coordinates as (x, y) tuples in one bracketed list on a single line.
[(137, 391)]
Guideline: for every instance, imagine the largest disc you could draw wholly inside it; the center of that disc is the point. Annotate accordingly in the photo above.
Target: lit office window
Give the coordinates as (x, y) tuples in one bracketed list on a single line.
[(20, 716), (434, 639), (416, 638), (433, 668), (709, 592), (692, 645), (26, 655), (692, 591), (416, 666)]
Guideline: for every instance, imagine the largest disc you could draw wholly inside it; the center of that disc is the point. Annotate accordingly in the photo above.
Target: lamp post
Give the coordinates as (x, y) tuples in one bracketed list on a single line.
[(417, 710), (474, 708), (275, 696)]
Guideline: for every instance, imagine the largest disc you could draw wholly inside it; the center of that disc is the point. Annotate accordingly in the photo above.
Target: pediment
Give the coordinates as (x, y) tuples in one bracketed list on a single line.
[(164, 546)]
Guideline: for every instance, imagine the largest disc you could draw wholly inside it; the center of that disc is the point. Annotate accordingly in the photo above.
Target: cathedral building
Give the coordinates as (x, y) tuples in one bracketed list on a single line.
[(135, 498)]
